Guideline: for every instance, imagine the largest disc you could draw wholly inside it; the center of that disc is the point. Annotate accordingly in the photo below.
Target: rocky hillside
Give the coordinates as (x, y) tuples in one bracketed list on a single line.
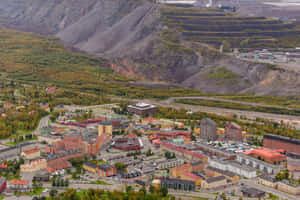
[(142, 43)]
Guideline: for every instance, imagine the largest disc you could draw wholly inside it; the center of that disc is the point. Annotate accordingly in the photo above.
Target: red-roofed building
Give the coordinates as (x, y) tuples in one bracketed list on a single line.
[(192, 177), (31, 154), (267, 155), (180, 152), (149, 120), (2, 185), (18, 186), (177, 171), (3, 166), (132, 135), (50, 89)]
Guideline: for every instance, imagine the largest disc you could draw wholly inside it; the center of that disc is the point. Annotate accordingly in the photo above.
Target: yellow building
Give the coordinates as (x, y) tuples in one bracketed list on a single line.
[(214, 182), (90, 167), (192, 177), (177, 171), (197, 130), (268, 181), (34, 166), (105, 127), (220, 131), (289, 187), (31, 154), (214, 172)]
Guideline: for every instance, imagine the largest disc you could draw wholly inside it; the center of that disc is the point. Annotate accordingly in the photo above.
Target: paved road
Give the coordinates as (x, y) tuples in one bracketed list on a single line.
[(43, 122), (282, 195), (221, 111)]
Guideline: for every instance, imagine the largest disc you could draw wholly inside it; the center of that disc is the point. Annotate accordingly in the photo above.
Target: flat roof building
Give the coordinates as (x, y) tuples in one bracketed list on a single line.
[(142, 109)]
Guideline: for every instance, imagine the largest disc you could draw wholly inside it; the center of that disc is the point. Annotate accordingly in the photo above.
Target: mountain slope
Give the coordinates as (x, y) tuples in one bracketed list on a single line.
[(148, 41)]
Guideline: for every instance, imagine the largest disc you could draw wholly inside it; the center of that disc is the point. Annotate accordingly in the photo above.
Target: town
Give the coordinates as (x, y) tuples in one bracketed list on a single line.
[(116, 146)]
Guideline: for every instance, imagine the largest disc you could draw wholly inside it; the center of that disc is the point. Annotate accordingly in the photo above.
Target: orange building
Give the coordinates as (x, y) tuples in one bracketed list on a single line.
[(192, 177), (267, 155), (177, 171)]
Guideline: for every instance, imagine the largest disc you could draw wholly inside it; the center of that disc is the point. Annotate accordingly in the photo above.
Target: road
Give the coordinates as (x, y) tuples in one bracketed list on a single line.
[(43, 122), (292, 120)]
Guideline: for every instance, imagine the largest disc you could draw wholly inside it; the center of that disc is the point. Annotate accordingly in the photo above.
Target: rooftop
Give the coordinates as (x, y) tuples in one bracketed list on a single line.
[(215, 179)]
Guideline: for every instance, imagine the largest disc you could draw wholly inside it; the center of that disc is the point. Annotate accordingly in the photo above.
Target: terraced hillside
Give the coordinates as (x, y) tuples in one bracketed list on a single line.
[(214, 26)]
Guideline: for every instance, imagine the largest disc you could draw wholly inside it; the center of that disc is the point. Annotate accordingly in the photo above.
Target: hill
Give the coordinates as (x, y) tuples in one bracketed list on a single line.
[(144, 40)]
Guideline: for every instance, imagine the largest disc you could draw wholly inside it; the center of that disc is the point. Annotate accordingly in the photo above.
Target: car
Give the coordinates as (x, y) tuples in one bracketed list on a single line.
[(45, 190)]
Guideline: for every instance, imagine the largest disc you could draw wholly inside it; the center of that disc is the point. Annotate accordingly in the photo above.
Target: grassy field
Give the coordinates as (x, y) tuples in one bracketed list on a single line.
[(237, 106)]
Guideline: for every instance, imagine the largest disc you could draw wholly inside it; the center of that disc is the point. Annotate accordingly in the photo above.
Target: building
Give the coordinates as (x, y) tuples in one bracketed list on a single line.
[(290, 145), (214, 151), (60, 161), (197, 166), (126, 144), (260, 165), (31, 154), (49, 138), (185, 2), (33, 166), (177, 184), (21, 186), (267, 155), (183, 153), (268, 181), (208, 129), (105, 127), (192, 177), (234, 167), (2, 185), (233, 131), (142, 109), (289, 187), (169, 163), (214, 182), (214, 172), (41, 177), (177, 171), (149, 120), (252, 192), (90, 167), (89, 143), (11, 153), (293, 165), (107, 170)]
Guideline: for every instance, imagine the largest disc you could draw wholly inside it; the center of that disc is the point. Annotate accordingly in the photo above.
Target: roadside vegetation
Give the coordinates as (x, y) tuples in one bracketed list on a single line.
[(238, 106)]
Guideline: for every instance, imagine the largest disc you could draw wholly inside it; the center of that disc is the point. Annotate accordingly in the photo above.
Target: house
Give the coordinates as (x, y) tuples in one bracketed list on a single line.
[(31, 154), (214, 182)]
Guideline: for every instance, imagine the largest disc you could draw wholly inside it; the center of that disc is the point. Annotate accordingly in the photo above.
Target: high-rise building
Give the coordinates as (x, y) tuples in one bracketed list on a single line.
[(208, 129), (105, 127), (233, 131)]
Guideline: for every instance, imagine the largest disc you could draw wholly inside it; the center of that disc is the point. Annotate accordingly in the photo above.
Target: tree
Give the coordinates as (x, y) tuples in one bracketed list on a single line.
[(128, 189), (164, 191), (53, 193), (151, 189)]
